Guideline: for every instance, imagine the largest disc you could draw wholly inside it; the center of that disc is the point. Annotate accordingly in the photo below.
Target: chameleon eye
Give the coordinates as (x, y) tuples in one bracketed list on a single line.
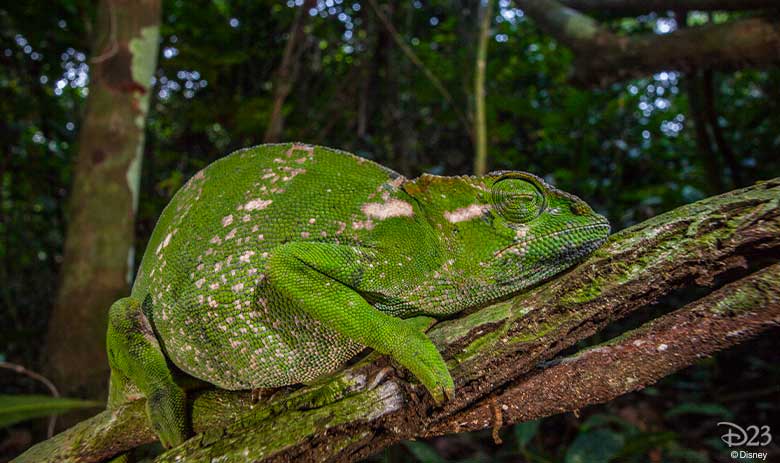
[(517, 200)]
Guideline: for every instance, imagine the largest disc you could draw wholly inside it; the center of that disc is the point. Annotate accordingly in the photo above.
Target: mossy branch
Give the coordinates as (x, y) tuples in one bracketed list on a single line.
[(602, 57), (637, 7), (503, 355)]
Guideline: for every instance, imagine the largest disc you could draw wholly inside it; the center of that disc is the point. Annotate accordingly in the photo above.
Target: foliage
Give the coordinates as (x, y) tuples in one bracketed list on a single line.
[(629, 149), (17, 408)]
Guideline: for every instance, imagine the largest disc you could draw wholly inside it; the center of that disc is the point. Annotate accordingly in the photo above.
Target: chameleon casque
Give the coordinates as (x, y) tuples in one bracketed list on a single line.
[(277, 264)]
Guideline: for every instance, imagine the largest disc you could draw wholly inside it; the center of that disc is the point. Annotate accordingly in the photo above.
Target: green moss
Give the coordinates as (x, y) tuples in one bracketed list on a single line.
[(587, 292), (254, 437), (532, 335), (450, 331), (477, 346)]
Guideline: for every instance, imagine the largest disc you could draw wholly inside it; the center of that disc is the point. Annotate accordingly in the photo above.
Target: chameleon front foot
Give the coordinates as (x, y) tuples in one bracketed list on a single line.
[(166, 410)]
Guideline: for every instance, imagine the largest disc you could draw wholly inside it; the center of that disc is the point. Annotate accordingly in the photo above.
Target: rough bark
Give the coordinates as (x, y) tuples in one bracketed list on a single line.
[(287, 73), (637, 7), (501, 355), (602, 57), (480, 122), (98, 254)]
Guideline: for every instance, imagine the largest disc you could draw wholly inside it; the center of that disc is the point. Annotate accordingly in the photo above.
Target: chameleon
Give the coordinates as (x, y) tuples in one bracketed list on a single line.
[(275, 265)]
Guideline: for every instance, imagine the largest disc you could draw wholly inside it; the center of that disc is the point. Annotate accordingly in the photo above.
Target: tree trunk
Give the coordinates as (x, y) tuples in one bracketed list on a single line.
[(480, 123), (500, 356), (98, 254)]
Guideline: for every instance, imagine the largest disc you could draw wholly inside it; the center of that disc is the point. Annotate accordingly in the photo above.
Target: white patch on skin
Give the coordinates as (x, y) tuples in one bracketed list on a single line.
[(299, 147), (246, 256), (466, 213), (165, 242), (227, 220), (359, 225), (521, 232), (312, 220), (304, 235), (392, 208), (200, 282), (214, 286), (216, 240), (257, 204), (231, 234), (238, 287)]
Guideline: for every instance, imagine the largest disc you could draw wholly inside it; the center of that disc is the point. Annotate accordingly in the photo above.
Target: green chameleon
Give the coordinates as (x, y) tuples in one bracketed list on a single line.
[(276, 264)]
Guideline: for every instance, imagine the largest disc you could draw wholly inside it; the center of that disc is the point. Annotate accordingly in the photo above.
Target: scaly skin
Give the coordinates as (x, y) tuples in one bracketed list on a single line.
[(277, 264)]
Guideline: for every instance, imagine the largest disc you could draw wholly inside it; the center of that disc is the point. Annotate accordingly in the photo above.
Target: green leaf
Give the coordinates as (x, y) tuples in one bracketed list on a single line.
[(640, 444), (423, 452), (598, 446), (710, 409), (16, 408), (524, 432), (222, 6)]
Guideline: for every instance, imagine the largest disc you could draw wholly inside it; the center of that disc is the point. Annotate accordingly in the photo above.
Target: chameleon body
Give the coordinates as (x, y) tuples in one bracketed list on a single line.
[(277, 264)]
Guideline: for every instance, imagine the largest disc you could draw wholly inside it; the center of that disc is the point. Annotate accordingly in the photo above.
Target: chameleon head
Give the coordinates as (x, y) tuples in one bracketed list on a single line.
[(509, 230), (545, 230)]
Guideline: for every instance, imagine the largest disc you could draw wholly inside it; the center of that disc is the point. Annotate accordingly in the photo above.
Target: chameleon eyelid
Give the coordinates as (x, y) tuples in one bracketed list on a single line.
[(533, 181)]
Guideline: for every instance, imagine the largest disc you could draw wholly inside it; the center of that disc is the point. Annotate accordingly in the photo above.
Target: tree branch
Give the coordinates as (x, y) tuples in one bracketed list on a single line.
[(637, 359), (638, 7), (602, 57), (494, 353)]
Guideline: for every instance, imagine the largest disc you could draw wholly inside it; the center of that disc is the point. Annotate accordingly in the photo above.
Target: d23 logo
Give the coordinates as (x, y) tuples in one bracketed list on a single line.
[(752, 436)]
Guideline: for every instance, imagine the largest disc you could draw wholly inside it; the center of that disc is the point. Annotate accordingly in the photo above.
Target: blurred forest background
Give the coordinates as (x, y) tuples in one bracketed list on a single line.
[(645, 107)]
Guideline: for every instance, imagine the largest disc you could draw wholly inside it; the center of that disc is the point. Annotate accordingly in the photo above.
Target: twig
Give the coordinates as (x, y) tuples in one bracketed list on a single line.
[(480, 123), (412, 56), (38, 377)]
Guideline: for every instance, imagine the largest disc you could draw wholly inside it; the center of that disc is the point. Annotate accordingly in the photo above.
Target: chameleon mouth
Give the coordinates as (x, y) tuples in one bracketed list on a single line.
[(592, 236)]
